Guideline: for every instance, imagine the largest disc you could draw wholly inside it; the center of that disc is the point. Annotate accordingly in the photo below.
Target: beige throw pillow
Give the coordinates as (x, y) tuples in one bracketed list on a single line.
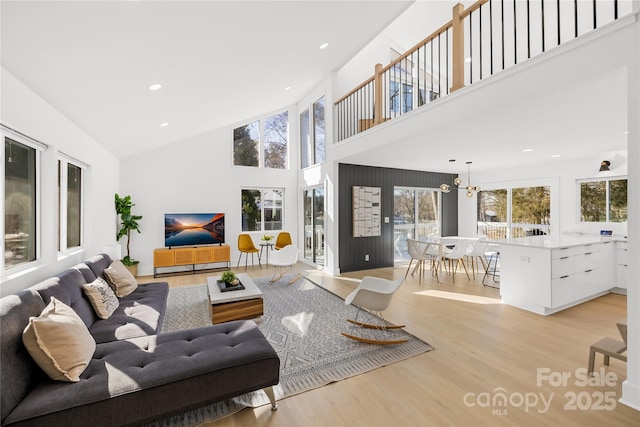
[(121, 280), (59, 342), (102, 297)]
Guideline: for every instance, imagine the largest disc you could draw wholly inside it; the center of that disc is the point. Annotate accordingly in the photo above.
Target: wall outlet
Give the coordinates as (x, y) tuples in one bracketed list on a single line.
[(525, 258), (366, 258)]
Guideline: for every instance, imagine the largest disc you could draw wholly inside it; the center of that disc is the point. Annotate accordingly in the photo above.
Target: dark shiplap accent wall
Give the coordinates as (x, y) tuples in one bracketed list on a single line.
[(380, 248)]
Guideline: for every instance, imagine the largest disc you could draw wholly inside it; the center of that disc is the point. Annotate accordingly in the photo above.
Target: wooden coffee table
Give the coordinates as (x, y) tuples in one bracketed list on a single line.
[(245, 303)]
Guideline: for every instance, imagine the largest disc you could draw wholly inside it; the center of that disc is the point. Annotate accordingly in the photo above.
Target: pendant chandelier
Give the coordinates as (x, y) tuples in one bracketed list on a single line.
[(445, 188)]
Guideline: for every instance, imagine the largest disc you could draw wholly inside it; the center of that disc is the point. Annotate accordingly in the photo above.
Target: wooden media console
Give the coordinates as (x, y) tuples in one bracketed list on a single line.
[(191, 256)]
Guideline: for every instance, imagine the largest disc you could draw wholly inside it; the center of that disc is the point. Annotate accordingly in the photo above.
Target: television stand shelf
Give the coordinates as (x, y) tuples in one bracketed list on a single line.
[(191, 256)]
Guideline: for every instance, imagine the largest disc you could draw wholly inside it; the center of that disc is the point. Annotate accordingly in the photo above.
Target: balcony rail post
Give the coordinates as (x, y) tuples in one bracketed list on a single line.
[(377, 95), (457, 48)]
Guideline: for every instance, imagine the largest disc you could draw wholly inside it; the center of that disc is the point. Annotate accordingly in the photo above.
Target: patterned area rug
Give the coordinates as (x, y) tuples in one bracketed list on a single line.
[(303, 322)]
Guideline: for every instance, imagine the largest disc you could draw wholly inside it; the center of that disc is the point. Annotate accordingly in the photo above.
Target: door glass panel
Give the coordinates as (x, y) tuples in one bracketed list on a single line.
[(318, 217), (314, 225), (308, 225)]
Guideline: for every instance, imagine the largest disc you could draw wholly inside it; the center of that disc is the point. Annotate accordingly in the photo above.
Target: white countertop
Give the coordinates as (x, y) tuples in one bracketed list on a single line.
[(551, 242)]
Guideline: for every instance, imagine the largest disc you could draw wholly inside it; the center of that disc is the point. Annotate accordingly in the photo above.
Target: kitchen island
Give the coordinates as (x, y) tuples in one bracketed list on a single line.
[(546, 274)]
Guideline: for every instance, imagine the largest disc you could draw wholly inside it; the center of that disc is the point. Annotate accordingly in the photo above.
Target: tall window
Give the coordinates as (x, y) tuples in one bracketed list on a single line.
[(416, 214), (245, 145), (276, 137), (603, 200), (313, 200), (20, 192), (262, 209), (313, 135), (70, 205), (262, 142), (514, 212)]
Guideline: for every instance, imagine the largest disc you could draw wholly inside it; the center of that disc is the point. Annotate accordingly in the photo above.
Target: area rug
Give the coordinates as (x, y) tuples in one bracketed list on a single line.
[(303, 322)]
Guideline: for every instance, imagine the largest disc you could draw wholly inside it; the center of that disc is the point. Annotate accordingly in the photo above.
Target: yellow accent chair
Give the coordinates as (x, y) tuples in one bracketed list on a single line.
[(283, 239), (246, 247)]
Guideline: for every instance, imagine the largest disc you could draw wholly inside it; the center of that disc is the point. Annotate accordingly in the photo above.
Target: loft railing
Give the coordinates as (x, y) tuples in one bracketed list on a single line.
[(486, 38)]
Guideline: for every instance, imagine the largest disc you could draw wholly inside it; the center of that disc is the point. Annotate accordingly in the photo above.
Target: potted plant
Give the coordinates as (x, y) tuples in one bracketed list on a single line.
[(128, 223), (230, 278)]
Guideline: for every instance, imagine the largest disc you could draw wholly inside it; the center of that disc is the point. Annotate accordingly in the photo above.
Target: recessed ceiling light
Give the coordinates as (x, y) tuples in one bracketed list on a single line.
[(555, 155), (164, 124), (287, 88), (527, 150), (155, 86), (324, 45)]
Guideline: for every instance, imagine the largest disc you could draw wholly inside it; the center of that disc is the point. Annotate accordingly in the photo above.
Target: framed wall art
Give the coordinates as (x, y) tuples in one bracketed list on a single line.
[(366, 211)]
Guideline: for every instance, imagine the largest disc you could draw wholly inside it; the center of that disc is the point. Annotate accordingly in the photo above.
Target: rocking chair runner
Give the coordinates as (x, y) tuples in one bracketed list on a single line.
[(373, 294)]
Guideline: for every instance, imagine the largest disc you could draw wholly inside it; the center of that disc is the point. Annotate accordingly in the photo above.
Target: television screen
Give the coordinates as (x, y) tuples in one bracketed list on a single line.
[(193, 229)]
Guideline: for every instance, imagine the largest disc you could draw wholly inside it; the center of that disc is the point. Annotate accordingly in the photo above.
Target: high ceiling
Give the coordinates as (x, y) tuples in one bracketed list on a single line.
[(219, 62), (224, 62)]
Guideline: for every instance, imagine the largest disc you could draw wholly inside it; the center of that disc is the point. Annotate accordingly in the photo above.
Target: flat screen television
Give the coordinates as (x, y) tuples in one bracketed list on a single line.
[(193, 229)]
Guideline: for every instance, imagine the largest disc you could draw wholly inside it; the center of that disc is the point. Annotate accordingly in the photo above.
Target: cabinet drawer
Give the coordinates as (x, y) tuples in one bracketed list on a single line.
[(562, 291), (576, 250), (564, 266)]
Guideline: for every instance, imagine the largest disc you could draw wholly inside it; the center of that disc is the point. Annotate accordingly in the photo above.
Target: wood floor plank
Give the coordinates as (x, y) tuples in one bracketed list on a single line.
[(482, 348)]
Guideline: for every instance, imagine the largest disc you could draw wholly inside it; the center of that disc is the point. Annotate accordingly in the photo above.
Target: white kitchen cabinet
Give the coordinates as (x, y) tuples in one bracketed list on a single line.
[(545, 276)]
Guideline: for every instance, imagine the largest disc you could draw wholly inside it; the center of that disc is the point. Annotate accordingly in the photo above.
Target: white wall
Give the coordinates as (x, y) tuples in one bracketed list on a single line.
[(196, 175), (562, 176), (25, 111)]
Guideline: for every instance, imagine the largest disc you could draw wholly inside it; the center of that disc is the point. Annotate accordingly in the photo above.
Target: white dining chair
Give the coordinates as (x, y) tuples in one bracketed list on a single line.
[(477, 251), (456, 256)]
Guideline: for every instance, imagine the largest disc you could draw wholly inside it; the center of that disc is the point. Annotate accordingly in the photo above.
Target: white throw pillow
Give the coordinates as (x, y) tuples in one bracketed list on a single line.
[(121, 280), (59, 342), (102, 297)]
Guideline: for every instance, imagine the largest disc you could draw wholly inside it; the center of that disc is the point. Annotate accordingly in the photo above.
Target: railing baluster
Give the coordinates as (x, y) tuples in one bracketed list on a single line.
[(390, 92), (528, 31), (502, 31), (491, 36), (542, 12), (515, 34), (575, 17)]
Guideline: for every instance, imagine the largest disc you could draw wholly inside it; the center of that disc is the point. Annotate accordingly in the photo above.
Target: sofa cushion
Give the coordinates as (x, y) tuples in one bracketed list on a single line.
[(98, 263), (139, 313), (89, 276), (120, 278), (59, 342), (158, 376), (18, 370), (66, 287), (102, 297)]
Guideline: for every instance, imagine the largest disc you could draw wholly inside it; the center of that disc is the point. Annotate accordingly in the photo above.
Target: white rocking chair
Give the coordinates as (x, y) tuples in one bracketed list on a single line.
[(283, 260), (374, 295)]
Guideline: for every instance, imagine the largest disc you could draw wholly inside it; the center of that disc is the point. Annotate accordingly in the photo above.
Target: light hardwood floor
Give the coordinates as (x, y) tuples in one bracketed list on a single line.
[(483, 349)]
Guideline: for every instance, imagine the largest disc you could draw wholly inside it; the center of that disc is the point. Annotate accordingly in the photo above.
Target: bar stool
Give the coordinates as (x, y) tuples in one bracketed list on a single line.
[(495, 258)]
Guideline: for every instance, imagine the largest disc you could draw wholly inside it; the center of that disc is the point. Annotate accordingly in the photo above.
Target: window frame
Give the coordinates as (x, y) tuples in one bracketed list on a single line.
[(311, 144), (262, 191), (261, 141), (607, 180), (63, 163), (554, 215), (38, 147)]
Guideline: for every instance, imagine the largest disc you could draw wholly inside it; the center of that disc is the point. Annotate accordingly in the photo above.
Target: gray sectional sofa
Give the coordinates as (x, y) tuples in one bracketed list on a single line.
[(137, 374)]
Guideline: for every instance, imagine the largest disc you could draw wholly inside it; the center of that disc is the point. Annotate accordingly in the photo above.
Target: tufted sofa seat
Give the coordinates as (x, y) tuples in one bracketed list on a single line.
[(134, 380), (136, 375)]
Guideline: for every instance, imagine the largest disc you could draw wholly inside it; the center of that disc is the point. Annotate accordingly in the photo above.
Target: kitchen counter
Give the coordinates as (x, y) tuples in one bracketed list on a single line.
[(545, 274), (553, 242)]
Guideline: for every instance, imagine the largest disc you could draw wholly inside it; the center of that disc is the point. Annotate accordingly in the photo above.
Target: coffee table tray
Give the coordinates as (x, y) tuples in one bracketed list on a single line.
[(225, 287)]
